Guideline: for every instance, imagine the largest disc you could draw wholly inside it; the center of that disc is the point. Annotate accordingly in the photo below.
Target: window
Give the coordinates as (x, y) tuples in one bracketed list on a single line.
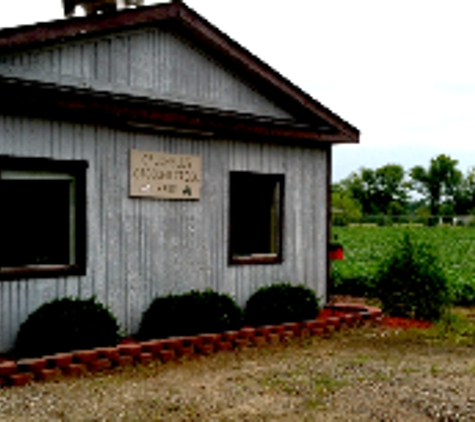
[(42, 217), (256, 214)]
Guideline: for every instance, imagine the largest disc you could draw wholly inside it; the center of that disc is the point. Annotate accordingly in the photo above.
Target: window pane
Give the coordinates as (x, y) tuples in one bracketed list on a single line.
[(255, 214), (35, 222)]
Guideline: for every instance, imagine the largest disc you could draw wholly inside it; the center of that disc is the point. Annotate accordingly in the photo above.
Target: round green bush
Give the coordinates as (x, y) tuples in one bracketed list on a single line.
[(411, 282), (281, 303), (64, 325), (191, 313)]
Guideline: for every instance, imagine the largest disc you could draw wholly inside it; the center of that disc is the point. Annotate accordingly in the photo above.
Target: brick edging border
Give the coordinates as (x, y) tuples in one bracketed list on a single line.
[(25, 371)]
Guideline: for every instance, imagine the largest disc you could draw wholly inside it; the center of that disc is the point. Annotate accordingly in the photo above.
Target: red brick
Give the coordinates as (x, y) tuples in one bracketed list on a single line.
[(206, 348), (48, 374), (277, 328), (133, 350), (365, 317), (20, 379), (224, 346), (230, 335), (247, 333), (59, 360), (259, 341), (334, 321), (329, 330), (358, 319), (110, 353), (312, 327), (74, 369), (166, 355), (241, 342), (187, 351), (152, 346), (273, 338), (210, 338), (145, 358), (286, 335), (31, 365), (85, 356), (292, 326), (349, 320), (124, 360), (262, 331), (8, 368), (98, 365), (318, 331), (191, 341), (374, 311), (321, 323)]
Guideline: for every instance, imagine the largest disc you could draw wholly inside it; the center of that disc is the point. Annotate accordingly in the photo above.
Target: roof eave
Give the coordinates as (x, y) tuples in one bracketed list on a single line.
[(42, 100), (273, 84)]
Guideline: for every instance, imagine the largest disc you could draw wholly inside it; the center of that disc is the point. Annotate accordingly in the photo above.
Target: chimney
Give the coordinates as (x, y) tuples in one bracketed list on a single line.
[(93, 7)]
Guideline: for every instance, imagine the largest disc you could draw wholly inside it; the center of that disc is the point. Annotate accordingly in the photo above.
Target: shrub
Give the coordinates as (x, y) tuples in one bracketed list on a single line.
[(190, 313), (411, 282), (64, 325), (359, 286), (464, 294), (281, 303)]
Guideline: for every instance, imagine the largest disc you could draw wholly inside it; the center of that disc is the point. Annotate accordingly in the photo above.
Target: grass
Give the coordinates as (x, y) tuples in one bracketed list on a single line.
[(370, 373), (365, 247)]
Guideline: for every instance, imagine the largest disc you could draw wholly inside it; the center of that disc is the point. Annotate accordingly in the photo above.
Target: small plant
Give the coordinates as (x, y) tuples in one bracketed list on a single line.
[(411, 282), (281, 303), (190, 313), (464, 294), (64, 325)]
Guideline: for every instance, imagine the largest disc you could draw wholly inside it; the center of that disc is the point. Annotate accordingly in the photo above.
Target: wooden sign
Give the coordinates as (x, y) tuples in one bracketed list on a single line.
[(164, 176)]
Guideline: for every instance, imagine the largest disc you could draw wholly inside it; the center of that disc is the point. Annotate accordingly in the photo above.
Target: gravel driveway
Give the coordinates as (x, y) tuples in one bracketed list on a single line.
[(366, 374)]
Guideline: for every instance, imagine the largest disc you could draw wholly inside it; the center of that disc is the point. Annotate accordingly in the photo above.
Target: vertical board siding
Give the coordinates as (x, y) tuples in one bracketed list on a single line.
[(145, 62), (141, 248)]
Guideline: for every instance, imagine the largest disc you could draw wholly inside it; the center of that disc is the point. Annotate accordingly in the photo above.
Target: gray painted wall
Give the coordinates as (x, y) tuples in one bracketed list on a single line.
[(140, 248), (148, 62)]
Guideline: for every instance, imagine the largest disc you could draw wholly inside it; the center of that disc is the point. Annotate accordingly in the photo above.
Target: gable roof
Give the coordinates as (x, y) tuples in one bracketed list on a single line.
[(314, 122)]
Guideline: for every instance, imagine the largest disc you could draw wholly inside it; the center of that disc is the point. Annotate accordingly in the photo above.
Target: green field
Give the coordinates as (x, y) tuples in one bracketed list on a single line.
[(365, 247)]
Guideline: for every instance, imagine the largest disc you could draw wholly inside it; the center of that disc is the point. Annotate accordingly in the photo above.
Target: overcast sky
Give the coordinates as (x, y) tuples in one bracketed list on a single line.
[(401, 71)]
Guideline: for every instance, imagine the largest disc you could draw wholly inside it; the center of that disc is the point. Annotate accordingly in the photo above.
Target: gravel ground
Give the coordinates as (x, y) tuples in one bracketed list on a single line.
[(367, 374)]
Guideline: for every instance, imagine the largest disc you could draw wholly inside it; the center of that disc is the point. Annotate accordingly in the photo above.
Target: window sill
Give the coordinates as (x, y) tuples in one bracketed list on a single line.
[(256, 259), (43, 271)]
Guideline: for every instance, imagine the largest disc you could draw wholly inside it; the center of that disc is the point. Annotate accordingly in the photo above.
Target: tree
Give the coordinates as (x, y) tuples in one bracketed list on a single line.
[(345, 209), (439, 183), (380, 191), (464, 197)]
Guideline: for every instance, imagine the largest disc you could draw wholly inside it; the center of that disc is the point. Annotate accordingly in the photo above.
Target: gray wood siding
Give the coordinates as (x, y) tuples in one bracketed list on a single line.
[(140, 248), (148, 62)]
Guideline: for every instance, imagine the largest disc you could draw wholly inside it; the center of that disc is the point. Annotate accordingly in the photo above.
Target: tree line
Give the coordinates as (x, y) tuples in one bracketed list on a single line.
[(440, 189)]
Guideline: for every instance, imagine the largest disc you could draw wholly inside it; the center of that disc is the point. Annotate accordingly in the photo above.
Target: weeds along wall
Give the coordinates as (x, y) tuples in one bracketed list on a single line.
[(140, 248)]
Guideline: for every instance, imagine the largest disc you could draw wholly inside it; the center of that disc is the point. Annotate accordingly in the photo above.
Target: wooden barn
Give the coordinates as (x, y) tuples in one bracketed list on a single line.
[(145, 152)]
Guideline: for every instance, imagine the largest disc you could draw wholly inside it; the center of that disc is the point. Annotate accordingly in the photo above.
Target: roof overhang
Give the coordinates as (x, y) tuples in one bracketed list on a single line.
[(316, 122), (42, 100)]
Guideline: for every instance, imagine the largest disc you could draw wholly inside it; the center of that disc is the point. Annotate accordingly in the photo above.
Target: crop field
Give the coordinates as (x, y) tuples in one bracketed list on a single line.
[(365, 247)]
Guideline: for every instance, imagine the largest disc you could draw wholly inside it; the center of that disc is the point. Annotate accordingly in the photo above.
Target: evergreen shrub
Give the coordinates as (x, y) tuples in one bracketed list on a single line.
[(67, 324), (280, 303), (194, 312), (411, 282), (464, 294)]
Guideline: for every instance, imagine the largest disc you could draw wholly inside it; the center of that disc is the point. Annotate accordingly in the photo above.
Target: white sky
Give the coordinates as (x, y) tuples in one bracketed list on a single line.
[(402, 71)]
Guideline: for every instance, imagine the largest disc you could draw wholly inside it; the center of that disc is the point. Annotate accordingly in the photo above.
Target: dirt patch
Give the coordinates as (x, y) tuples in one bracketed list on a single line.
[(367, 374)]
